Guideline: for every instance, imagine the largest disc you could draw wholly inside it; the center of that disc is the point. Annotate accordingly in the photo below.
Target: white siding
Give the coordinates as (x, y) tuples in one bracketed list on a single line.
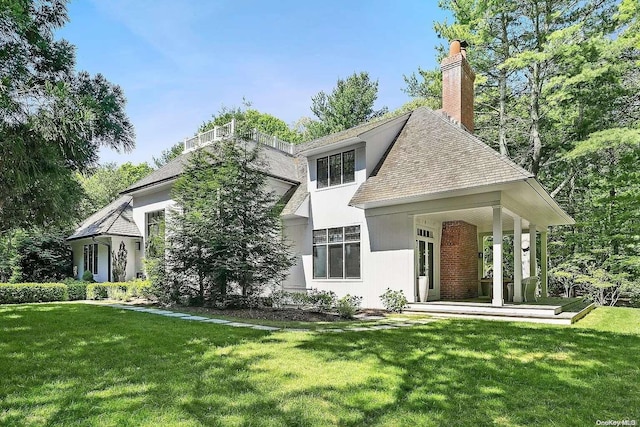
[(134, 263), (78, 257)]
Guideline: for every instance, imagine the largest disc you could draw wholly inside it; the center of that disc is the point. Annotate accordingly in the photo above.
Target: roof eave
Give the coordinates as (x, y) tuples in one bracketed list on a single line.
[(91, 236), (331, 147), (537, 187), (435, 196)]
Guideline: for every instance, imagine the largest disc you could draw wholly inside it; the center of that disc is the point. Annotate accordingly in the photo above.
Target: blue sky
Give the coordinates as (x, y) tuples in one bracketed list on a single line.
[(180, 61)]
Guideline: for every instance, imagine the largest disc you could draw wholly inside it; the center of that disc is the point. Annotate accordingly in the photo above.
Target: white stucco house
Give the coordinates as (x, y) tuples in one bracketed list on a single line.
[(400, 203)]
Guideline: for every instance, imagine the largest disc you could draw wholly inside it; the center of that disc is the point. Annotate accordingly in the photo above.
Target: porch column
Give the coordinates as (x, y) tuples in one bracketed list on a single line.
[(544, 281), (517, 259), (498, 299), (533, 258)]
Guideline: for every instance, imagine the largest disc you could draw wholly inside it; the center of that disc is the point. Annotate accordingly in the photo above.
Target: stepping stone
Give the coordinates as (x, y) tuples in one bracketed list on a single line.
[(335, 330), (172, 314), (197, 318), (402, 325), (239, 325), (380, 327), (359, 329), (215, 321), (296, 330), (265, 328), (373, 318), (421, 322)]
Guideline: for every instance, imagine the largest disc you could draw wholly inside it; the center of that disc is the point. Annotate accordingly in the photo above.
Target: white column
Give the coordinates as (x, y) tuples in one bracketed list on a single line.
[(498, 299), (533, 257), (480, 263), (517, 259), (544, 280)]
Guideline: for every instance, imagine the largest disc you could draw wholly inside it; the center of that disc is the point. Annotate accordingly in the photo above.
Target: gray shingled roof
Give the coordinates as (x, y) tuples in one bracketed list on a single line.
[(277, 164), (300, 192), (434, 155), (114, 219), (345, 134)]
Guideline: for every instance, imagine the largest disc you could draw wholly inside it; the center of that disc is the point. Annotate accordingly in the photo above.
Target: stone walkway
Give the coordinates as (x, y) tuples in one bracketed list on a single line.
[(383, 322)]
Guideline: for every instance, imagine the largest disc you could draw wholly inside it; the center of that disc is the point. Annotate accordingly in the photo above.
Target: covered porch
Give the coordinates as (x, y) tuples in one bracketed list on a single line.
[(456, 229)]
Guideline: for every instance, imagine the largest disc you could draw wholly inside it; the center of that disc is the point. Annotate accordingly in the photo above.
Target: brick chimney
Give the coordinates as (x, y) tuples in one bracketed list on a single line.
[(457, 85)]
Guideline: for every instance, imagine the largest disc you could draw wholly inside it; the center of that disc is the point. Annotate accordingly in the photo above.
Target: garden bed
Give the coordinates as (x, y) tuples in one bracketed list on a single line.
[(284, 314)]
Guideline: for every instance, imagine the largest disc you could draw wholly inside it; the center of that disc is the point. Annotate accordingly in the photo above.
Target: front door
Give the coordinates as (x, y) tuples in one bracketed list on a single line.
[(426, 286)]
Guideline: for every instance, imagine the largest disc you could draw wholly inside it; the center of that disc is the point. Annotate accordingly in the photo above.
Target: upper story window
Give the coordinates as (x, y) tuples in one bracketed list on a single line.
[(336, 169), (154, 223)]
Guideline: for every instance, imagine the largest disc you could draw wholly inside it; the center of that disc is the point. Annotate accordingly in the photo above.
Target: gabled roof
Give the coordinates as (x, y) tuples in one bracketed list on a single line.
[(432, 154), (277, 164), (114, 219), (353, 132)]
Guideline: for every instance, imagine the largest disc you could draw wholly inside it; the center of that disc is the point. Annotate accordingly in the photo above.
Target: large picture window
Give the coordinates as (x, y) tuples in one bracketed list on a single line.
[(336, 169), (336, 253), (91, 258)]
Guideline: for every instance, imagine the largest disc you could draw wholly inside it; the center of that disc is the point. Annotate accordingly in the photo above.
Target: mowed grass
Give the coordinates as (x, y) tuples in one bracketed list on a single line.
[(75, 364)]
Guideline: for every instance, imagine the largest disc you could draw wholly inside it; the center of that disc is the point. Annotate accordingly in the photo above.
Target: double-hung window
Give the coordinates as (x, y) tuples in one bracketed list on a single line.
[(91, 258), (336, 169), (336, 253)]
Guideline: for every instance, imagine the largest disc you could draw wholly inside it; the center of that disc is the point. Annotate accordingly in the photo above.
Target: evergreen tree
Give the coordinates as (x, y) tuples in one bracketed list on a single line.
[(169, 154), (349, 104), (225, 233)]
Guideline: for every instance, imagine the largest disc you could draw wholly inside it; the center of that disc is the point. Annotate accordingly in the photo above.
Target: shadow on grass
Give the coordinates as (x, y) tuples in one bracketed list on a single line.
[(76, 364), (484, 373)]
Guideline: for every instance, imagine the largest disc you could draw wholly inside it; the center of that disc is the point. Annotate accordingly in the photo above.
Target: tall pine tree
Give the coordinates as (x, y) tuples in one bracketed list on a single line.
[(225, 235)]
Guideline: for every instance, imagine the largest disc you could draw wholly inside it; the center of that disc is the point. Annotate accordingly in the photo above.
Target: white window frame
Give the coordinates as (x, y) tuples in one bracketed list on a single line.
[(327, 158), (90, 258), (343, 242)]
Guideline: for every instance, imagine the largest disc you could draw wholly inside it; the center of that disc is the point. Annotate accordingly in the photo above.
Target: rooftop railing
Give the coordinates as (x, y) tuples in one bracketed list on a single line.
[(229, 130)]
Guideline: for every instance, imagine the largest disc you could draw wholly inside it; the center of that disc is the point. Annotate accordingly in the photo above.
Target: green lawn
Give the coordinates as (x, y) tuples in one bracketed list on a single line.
[(75, 364)]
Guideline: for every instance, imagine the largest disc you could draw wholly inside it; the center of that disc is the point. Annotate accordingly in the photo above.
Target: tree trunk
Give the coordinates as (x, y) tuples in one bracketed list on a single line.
[(534, 111), (502, 82)]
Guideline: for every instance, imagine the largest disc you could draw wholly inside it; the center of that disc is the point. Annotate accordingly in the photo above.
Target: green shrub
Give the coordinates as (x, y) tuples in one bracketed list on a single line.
[(321, 300), (634, 297), (299, 299), (77, 290), (87, 276), (348, 306), (17, 293), (121, 291), (279, 298), (394, 301)]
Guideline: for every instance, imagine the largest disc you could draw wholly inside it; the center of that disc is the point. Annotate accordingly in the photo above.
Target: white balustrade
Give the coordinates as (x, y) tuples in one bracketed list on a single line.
[(228, 130)]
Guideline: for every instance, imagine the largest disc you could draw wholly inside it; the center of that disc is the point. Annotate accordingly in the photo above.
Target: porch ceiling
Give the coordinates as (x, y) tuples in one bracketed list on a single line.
[(481, 217)]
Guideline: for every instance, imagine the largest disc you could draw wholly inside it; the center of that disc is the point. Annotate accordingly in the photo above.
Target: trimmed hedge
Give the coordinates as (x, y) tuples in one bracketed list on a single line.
[(122, 291), (72, 290), (77, 290), (19, 293)]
